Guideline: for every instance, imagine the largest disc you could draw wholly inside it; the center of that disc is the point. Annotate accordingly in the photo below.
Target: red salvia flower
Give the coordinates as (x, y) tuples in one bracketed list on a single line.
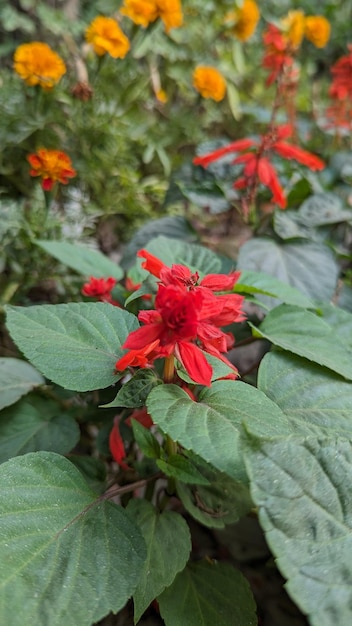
[(100, 288), (278, 53), (116, 445), (341, 87), (186, 320), (257, 164), (142, 416)]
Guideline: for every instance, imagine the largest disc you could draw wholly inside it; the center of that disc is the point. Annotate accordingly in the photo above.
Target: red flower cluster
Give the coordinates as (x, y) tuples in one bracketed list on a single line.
[(187, 319), (100, 288), (278, 53), (257, 165), (340, 113)]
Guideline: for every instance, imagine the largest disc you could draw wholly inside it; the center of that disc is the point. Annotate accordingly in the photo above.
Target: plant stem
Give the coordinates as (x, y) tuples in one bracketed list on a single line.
[(170, 444), (169, 369)]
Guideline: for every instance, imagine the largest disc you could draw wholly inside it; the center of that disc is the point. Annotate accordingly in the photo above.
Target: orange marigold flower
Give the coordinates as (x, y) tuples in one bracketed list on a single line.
[(209, 82), (317, 30), (170, 13), (52, 165), (293, 27), (161, 96), (141, 12), (244, 19), (106, 37), (37, 64)]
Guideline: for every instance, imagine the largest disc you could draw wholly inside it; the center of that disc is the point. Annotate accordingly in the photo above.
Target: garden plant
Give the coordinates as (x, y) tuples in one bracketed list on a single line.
[(176, 313)]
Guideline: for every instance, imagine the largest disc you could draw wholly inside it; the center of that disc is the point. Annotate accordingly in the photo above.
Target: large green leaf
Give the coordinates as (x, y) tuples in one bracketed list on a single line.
[(211, 427), (66, 557), (83, 260), (174, 226), (315, 400), (320, 209), (339, 319), (168, 541), (259, 282), (304, 333), (310, 267), (75, 345), (304, 493), (16, 379), (205, 594), (323, 208), (36, 424), (192, 255)]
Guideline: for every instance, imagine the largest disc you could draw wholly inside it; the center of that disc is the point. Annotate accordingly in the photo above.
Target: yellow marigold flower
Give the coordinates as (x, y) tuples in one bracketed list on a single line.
[(317, 30), (52, 165), (106, 36), (244, 19), (209, 82), (170, 12), (294, 25), (141, 12), (37, 64)]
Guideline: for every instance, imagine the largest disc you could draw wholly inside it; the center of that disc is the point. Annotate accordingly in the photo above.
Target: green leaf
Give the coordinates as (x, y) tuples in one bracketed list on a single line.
[(323, 208), (303, 491), (75, 345), (67, 557), (16, 379), (223, 501), (36, 424), (206, 594), (168, 543), (93, 470), (234, 101), (174, 226), (196, 257), (259, 282), (182, 469), (211, 427), (304, 333), (288, 225), (145, 440), (83, 260), (134, 392), (315, 400), (310, 267)]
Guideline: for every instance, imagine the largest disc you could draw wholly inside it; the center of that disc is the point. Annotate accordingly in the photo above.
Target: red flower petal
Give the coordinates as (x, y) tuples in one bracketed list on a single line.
[(220, 282), (116, 445), (235, 146), (194, 362), (152, 264), (288, 151)]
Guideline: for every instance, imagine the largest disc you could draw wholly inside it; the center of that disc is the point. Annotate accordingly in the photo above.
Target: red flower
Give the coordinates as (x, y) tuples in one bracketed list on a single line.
[(100, 288), (185, 321), (257, 165), (173, 325), (341, 87), (116, 445), (141, 416), (182, 276), (278, 53)]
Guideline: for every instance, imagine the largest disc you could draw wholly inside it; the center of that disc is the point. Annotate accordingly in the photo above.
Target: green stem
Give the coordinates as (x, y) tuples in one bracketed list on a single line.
[(170, 444)]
